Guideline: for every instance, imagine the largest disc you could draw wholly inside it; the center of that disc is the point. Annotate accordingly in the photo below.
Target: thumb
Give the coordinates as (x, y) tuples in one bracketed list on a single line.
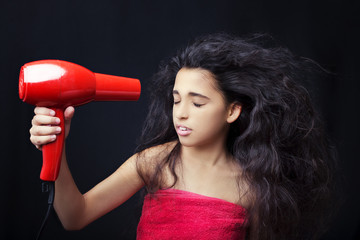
[(69, 113)]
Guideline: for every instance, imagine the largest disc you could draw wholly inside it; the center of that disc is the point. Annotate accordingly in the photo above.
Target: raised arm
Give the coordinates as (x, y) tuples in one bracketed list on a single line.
[(74, 209)]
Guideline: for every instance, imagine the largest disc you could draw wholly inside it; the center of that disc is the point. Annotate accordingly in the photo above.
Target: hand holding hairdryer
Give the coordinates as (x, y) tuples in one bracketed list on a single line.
[(58, 84)]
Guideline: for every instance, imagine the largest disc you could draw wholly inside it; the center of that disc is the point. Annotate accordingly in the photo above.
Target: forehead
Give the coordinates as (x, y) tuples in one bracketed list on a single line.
[(195, 79)]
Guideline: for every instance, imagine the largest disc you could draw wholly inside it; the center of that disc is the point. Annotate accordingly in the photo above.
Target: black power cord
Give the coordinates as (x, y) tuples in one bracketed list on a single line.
[(49, 187)]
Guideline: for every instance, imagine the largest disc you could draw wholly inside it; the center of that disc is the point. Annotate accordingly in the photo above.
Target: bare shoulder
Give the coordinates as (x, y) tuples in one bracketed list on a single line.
[(157, 153), (148, 159)]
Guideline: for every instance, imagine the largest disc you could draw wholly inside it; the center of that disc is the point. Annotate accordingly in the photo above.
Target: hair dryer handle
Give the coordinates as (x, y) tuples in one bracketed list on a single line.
[(52, 152)]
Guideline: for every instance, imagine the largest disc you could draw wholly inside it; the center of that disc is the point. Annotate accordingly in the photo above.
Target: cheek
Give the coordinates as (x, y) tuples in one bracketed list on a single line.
[(212, 120)]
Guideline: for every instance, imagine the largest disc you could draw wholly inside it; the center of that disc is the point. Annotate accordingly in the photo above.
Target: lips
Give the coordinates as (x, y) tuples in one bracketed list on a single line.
[(183, 130)]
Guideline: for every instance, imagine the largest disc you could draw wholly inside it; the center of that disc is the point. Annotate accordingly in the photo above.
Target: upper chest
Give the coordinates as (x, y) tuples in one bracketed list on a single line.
[(218, 182)]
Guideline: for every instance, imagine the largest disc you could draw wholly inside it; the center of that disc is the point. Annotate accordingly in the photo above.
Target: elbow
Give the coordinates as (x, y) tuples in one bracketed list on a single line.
[(73, 226), (70, 228), (72, 223), (71, 220)]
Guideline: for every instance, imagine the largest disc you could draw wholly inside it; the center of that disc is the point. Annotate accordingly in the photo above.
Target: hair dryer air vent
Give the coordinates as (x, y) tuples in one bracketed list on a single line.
[(21, 84)]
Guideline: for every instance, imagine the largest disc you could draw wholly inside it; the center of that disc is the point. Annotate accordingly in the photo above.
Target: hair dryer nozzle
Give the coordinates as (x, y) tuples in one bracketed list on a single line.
[(115, 88)]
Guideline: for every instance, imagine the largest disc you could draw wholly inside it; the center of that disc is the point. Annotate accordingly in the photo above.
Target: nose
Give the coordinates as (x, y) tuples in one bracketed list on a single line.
[(180, 111)]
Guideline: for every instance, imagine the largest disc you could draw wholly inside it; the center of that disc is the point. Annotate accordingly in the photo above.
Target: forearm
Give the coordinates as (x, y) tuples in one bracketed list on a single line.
[(76, 210), (69, 203)]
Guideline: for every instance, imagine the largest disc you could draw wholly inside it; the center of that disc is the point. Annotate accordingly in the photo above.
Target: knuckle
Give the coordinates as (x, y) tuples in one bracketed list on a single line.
[(39, 110), (37, 131), (38, 141), (35, 120), (34, 131), (32, 139)]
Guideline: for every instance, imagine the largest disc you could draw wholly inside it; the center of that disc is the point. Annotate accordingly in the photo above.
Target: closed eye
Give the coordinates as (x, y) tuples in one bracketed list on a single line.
[(198, 105)]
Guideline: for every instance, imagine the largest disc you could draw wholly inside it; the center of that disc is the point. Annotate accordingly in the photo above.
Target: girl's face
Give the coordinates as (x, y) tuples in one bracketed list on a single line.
[(200, 113)]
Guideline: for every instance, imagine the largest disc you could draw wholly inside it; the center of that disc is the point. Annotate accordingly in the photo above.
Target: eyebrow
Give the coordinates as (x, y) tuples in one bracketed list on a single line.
[(192, 94)]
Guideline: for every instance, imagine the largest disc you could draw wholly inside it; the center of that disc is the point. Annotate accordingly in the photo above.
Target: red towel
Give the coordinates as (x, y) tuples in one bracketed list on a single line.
[(177, 214)]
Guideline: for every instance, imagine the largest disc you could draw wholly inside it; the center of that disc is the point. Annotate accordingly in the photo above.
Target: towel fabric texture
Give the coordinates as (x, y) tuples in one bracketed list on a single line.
[(177, 214)]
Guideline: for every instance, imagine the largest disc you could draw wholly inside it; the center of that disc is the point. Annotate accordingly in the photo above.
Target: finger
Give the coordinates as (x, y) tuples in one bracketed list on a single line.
[(69, 113), (44, 111), (45, 130), (42, 140), (44, 120)]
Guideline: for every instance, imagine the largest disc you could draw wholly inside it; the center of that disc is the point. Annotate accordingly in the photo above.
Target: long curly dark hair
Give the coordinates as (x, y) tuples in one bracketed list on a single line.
[(278, 141)]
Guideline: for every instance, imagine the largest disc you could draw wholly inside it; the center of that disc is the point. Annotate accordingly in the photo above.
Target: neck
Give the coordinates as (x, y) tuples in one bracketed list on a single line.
[(209, 155)]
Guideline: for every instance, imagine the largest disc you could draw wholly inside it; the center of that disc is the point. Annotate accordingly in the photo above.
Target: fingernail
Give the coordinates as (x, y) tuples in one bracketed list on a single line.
[(53, 137), (52, 113), (58, 129), (57, 120)]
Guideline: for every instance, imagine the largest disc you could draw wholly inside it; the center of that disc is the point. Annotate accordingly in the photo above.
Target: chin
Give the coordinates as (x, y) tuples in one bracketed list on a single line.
[(188, 142)]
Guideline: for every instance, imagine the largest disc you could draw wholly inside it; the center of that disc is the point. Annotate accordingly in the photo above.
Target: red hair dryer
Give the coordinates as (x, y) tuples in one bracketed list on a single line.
[(58, 84)]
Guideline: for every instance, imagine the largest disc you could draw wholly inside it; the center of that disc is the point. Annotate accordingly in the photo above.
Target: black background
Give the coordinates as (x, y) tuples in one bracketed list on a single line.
[(130, 38)]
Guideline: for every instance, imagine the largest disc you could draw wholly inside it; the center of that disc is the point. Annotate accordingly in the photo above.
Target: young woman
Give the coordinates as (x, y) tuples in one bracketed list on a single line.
[(231, 148)]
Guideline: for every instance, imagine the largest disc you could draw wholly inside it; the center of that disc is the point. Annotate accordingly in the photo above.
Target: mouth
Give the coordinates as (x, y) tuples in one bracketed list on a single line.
[(183, 130)]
